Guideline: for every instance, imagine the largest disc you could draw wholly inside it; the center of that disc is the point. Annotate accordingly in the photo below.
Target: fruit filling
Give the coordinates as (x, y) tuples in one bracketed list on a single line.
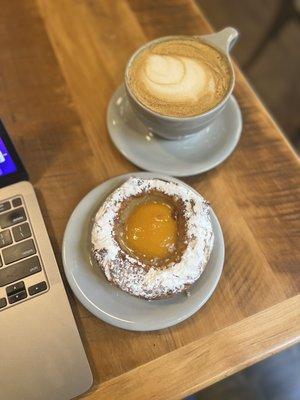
[(150, 230)]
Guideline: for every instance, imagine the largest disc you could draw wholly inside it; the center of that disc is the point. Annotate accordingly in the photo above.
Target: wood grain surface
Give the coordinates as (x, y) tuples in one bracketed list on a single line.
[(60, 62), (213, 357)]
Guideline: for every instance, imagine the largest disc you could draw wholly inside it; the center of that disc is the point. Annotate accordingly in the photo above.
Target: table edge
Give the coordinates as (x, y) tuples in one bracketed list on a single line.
[(213, 357), (242, 77)]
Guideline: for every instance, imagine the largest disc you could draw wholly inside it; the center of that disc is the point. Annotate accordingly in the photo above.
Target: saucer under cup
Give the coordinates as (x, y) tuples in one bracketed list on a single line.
[(185, 157)]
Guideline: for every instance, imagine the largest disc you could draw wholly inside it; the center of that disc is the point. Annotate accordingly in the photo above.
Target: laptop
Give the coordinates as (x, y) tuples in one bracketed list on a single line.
[(41, 353)]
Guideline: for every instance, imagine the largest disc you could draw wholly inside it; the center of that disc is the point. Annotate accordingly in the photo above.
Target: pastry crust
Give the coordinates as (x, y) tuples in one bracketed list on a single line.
[(148, 279)]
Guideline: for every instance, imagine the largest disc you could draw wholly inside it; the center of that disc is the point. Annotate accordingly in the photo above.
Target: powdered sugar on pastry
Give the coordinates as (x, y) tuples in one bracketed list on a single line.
[(131, 274)]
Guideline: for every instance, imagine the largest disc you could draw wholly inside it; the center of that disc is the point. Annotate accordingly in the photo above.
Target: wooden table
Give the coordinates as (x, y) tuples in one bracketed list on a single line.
[(60, 61)]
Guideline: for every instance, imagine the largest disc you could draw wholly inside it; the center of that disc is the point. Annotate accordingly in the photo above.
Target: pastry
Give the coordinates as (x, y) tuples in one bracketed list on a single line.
[(152, 237)]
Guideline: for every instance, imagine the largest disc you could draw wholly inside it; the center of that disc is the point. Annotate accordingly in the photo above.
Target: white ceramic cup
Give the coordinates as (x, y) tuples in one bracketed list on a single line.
[(178, 127)]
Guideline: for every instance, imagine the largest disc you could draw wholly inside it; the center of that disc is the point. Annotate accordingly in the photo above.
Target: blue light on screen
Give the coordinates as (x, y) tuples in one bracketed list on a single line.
[(7, 165)]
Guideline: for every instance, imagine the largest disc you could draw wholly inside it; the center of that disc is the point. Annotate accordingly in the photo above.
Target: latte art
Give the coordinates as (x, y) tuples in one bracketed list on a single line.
[(180, 77), (176, 78)]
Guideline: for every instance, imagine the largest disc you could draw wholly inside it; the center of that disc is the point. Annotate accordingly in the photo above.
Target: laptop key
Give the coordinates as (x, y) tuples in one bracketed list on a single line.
[(17, 202), (19, 270), (37, 288), (17, 297), (5, 206), (18, 251), (3, 302), (15, 288), (5, 238), (12, 217), (21, 232)]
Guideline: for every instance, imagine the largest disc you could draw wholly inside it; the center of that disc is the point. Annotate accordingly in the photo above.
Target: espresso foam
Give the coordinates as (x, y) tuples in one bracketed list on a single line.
[(180, 77)]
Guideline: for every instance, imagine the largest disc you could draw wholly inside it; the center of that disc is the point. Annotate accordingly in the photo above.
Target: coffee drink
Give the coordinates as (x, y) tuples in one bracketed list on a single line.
[(179, 77)]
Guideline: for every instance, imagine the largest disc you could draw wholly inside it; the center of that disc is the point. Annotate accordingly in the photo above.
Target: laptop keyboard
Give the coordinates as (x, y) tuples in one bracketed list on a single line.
[(19, 258)]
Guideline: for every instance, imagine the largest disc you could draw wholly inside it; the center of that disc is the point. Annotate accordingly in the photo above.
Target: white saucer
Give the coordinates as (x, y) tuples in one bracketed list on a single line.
[(194, 155), (111, 304)]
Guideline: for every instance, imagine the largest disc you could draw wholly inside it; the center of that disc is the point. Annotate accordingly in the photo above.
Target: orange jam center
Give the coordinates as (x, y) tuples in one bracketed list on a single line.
[(151, 230)]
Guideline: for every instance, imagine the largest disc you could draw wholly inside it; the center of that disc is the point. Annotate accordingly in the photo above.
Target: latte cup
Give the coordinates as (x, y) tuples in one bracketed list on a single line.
[(176, 127)]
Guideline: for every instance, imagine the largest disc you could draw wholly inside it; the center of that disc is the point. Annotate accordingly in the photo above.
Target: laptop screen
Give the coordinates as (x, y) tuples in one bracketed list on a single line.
[(11, 167), (7, 165)]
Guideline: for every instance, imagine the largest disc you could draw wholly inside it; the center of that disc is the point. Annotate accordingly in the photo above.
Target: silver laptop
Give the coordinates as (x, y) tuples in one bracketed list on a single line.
[(41, 353)]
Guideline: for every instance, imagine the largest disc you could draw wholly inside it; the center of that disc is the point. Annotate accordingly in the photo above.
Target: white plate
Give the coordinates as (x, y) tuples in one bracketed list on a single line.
[(194, 155), (112, 304)]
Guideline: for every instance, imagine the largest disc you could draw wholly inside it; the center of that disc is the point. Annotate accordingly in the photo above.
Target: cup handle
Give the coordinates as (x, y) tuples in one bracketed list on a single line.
[(224, 39)]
